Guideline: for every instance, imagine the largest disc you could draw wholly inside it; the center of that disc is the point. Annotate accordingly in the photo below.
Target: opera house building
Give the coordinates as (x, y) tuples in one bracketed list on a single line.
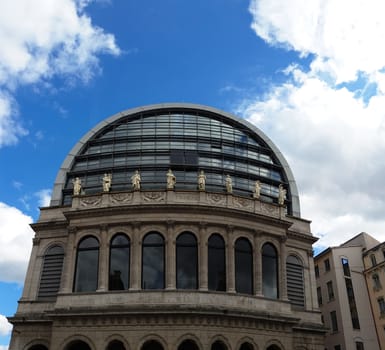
[(171, 227)]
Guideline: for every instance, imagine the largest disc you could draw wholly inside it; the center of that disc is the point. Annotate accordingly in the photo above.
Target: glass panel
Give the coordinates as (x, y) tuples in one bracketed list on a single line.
[(187, 261), (269, 271), (153, 262), (216, 263), (119, 263), (87, 262), (243, 266)]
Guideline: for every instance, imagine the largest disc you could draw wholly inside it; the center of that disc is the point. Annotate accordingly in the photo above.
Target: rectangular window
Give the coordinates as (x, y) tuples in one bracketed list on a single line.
[(376, 282), (333, 319), (381, 305), (345, 266), (337, 347), (373, 260), (327, 265), (330, 290), (352, 303), (319, 296), (359, 345), (316, 268)]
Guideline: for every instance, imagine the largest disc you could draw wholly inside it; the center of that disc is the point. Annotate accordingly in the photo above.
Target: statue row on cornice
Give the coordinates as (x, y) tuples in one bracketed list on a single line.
[(171, 181)]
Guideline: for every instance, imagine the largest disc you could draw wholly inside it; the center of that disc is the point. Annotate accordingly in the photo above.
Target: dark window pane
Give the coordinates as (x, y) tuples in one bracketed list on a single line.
[(152, 345), (186, 261), (153, 262), (243, 266), (116, 345), (218, 345), (78, 345), (246, 346), (269, 271), (87, 264), (119, 263), (188, 345), (216, 263)]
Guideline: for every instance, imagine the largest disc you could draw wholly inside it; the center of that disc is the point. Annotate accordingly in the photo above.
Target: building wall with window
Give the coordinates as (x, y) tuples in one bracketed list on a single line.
[(343, 295), (374, 262), (184, 265)]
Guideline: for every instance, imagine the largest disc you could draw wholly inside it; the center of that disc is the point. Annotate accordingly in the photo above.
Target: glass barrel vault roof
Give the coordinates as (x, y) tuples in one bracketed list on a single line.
[(185, 138)]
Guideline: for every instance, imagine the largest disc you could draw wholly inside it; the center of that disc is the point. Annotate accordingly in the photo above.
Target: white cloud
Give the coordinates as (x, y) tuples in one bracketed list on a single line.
[(5, 326), (43, 39), (15, 243), (44, 197), (3, 347), (325, 119), (346, 36)]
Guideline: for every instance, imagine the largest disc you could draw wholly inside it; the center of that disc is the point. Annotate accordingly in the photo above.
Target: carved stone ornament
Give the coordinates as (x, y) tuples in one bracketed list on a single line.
[(215, 198), (153, 196), (119, 198), (242, 202), (90, 201), (269, 209)]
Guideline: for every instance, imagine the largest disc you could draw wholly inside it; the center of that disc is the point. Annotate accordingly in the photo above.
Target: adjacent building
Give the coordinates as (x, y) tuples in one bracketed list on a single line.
[(343, 295), (172, 226), (374, 264)]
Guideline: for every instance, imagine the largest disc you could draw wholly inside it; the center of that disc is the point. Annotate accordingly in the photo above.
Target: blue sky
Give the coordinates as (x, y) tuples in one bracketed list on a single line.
[(310, 75)]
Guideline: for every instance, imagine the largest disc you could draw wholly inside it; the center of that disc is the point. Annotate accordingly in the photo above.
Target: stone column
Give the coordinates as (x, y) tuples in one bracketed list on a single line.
[(230, 260), (136, 254), (170, 257), (257, 255), (68, 274), (103, 259), (282, 270), (203, 258)]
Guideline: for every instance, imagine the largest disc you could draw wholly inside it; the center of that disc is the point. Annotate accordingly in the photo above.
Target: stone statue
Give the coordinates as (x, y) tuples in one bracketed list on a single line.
[(257, 190), (229, 184), (135, 180), (281, 195), (107, 180), (171, 179), (201, 181), (77, 186)]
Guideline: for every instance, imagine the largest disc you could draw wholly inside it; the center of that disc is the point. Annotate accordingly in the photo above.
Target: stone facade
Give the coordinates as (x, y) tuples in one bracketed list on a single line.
[(265, 297)]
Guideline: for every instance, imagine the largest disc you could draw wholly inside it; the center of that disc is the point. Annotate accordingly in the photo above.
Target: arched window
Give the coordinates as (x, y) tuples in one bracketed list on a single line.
[(116, 345), (218, 345), (243, 266), (119, 276), (38, 347), (51, 272), (295, 285), (246, 346), (186, 261), (78, 345), (188, 345), (153, 261), (216, 263), (269, 271), (152, 345), (87, 264)]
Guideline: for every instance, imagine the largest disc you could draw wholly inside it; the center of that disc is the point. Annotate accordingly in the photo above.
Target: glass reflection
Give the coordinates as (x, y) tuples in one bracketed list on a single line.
[(119, 275), (269, 271), (87, 262), (186, 261), (216, 263), (153, 261), (243, 266)]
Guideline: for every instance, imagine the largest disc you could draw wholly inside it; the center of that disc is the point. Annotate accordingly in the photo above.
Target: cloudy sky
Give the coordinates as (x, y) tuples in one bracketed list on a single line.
[(310, 74)]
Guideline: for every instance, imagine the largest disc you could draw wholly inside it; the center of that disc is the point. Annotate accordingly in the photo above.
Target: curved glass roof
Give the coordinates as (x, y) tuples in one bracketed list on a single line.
[(186, 138)]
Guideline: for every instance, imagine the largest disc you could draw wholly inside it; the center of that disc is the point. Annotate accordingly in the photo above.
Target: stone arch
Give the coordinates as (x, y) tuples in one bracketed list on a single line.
[(219, 339), (152, 337), (116, 337), (246, 340), (76, 340), (191, 337)]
